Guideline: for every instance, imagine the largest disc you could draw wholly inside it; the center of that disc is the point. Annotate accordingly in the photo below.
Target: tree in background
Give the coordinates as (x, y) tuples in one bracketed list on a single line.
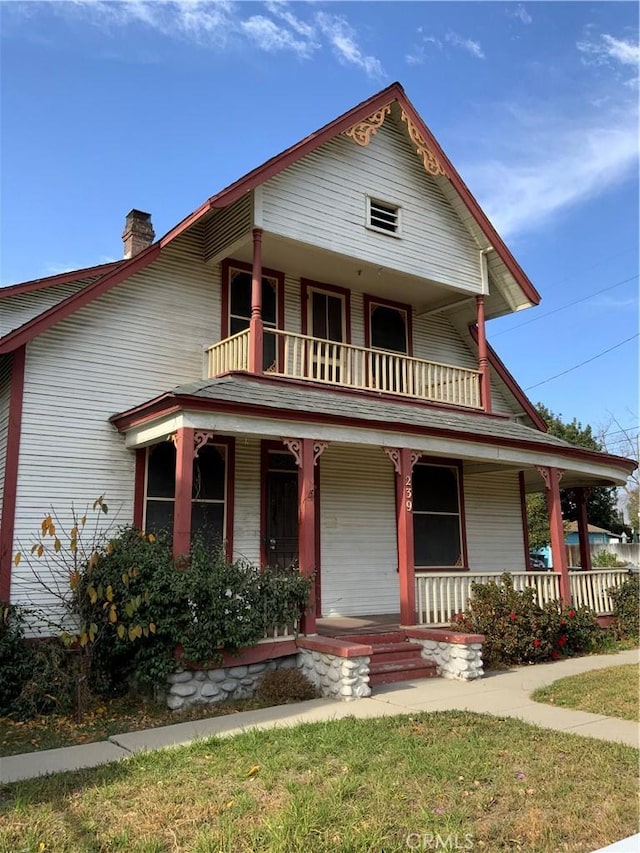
[(602, 508), (623, 441)]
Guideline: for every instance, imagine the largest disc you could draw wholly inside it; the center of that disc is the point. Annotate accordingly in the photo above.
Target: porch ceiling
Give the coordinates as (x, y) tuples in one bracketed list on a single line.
[(242, 404)]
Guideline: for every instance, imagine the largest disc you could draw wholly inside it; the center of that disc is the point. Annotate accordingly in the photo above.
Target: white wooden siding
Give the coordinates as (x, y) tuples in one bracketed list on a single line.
[(5, 387), (321, 200), (495, 539), (246, 523), (227, 226), (359, 556), (17, 310), (141, 338)]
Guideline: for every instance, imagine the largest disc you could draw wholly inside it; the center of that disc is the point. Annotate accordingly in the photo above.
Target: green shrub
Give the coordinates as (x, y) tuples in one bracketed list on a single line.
[(626, 603), (138, 609), (606, 560), (285, 685), (16, 657), (518, 631)]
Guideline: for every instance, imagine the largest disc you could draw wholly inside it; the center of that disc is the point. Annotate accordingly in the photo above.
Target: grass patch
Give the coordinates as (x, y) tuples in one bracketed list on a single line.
[(103, 719), (612, 691), (348, 785)]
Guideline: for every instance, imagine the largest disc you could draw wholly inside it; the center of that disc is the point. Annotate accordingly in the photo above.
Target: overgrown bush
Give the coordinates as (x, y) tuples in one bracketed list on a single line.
[(16, 657), (285, 685), (517, 630), (52, 683), (626, 604), (138, 608)]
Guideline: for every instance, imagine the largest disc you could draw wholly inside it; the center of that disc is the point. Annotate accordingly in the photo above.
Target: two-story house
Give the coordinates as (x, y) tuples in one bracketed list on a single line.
[(298, 369)]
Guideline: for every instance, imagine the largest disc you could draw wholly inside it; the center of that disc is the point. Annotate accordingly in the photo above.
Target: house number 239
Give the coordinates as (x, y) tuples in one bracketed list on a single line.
[(408, 494)]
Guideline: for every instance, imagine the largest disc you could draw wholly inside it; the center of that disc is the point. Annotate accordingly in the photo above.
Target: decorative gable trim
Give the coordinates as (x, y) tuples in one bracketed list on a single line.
[(431, 163), (362, 132)]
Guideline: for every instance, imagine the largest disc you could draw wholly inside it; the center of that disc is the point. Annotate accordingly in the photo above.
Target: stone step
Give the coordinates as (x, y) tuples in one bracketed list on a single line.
[(383, 652), (371, 638), (389, 672)]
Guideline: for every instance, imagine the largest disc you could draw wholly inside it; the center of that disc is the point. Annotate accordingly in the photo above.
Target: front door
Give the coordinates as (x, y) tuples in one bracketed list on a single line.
[(281, 533)]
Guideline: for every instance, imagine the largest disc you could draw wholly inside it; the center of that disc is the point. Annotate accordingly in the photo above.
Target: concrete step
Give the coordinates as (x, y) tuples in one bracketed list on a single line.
[(383, 652), (389, 672), (373, 639)]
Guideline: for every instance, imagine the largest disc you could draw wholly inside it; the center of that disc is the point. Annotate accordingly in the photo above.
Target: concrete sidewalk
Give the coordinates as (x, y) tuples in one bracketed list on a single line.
[(505, 694)]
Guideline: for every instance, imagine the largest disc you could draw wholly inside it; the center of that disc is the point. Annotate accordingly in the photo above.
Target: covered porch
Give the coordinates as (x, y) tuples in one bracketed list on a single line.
[(393, 510)]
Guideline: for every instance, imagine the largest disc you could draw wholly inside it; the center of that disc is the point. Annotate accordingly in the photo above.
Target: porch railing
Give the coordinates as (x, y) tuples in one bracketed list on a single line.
[(348, 366), (343, 365), (229, 354), (440, 596), (591, 589)]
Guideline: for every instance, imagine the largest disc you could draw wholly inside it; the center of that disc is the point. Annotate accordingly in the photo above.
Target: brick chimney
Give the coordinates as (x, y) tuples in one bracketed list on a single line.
[(138, 233)]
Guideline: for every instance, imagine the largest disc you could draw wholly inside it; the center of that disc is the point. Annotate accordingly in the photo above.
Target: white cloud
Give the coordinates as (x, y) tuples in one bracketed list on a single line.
[(557, 166), (419, 53), (471, 46), (520, 13), (342, 37), (219, 23), (608, 50)]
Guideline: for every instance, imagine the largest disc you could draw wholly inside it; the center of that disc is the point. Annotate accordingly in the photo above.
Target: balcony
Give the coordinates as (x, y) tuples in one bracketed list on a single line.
[(345, 366)]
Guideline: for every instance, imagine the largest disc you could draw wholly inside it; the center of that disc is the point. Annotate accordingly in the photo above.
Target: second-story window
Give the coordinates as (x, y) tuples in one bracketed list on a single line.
[(237, 292)]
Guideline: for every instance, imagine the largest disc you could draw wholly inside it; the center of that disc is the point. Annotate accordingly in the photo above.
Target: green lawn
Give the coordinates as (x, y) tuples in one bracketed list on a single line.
[(612, 691), (389, 784)]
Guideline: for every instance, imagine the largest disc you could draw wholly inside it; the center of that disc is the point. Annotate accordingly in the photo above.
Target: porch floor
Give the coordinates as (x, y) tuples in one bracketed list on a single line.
[(376, 623)]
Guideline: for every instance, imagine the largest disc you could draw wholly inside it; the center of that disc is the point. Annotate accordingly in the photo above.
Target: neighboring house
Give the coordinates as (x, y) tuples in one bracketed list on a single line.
[(596, 535), (300, 369)]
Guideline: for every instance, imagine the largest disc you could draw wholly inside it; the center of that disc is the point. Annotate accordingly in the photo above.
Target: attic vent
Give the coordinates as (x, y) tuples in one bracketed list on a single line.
[(383, 216)]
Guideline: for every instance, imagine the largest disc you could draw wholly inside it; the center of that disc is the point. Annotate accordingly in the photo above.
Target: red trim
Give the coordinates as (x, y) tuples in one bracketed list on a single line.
[(183, 492), (444, 635), (171, 403), (368, 301), (229, 264), (78, 300), (525, 522), (335, 646), (59, 278), (230, 496), (307, 528), (556, 531), (307, 284), (9, 492), (227, 196), (253, 654), (317, 542), (405, 540), (583, 529), (256, 326), (483, 361), (451, 463), (498, 365), (138, 489)]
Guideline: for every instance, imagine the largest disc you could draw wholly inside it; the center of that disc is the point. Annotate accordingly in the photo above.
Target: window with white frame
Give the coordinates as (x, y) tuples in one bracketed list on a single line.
[(383, 216), (437, 518)]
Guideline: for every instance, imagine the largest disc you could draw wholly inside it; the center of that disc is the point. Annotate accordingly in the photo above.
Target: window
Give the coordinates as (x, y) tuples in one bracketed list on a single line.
[(208, 496), (383, 216), (437, 518), (237, 304)]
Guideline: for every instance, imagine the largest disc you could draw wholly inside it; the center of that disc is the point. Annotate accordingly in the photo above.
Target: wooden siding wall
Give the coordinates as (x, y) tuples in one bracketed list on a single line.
[(246, 524), (5, 387), (494, 522), (358, 532), (321, 200), (141, 338), (16, 310), (228, 225)]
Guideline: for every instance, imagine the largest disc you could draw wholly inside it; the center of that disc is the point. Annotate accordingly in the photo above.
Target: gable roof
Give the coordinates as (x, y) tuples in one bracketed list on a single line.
[(68, 277), (393, 93)]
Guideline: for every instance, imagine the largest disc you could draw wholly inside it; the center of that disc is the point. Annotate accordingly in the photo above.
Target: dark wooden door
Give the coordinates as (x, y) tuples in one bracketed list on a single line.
[(282, 518)]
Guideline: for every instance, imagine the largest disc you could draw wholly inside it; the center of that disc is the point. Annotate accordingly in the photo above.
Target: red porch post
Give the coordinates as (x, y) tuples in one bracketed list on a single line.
[(483, 358), (306, 452), (403, 461), (256, 327), (184, 482), (580, 495), (551, 477)]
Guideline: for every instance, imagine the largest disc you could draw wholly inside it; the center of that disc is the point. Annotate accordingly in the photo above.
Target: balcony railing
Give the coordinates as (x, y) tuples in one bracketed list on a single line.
[(439, 596), (347, 366)]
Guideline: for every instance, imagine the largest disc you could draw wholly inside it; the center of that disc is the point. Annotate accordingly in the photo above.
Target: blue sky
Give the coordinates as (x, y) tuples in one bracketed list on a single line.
[(112, 105)]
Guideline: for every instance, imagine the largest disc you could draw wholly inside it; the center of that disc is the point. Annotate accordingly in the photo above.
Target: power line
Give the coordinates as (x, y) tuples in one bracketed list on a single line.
[(586, 361), (566, 305)]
